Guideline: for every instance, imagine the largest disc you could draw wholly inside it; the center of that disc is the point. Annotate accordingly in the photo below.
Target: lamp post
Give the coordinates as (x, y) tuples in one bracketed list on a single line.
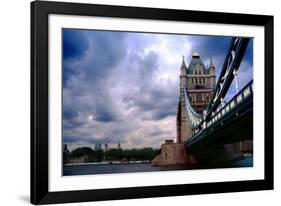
[(235, 73)]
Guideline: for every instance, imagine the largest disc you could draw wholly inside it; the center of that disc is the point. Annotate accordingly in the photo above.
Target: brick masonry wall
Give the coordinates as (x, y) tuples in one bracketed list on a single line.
[(173, 154)]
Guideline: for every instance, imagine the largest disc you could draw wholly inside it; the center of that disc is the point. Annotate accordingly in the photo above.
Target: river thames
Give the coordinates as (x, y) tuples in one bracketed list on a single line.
[(87, 169)]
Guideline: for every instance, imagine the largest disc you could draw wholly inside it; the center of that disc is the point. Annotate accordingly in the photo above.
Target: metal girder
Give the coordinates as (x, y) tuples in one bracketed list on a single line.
[(231, 64), (240, 104)]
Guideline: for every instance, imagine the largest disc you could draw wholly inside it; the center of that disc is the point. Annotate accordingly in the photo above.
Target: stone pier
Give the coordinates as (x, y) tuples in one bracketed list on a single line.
[(173, 154)]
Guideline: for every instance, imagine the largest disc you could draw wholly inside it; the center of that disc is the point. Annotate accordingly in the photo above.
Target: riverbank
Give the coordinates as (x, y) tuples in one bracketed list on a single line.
[(109, 162)]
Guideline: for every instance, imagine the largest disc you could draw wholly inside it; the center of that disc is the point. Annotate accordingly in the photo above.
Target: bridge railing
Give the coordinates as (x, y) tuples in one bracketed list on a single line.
[(244, 93)]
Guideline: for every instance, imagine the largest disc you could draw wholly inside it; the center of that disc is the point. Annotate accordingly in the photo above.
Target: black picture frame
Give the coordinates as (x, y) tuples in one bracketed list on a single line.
[(39, 102)]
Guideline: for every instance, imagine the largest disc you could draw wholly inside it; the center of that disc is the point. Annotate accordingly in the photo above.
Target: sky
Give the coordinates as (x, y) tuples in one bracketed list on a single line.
[(124, 86)]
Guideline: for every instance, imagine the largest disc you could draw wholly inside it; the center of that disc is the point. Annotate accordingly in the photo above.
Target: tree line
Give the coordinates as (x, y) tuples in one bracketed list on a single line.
[(113, 154)]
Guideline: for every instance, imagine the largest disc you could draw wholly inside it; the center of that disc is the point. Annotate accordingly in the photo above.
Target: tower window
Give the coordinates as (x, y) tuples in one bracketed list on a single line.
[(199, 97)]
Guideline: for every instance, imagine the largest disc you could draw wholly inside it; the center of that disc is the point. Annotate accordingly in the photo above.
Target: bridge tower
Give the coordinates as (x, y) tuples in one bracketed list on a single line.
[(199, 81)]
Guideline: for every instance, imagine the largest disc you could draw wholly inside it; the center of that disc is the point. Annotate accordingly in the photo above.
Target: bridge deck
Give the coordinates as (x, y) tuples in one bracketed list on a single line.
[(232, 123)]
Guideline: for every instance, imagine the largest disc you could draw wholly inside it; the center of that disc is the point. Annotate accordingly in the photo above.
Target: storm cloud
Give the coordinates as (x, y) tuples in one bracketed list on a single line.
[(124, 86)]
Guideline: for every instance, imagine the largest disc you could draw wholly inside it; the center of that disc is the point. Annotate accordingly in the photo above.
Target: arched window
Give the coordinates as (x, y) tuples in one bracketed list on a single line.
[(199, 72)]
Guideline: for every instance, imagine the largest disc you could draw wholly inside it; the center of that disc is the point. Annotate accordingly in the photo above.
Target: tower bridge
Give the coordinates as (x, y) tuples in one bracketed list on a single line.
[(209, 129)]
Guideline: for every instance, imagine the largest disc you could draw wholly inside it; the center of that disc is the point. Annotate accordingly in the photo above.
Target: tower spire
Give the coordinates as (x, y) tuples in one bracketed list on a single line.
[(211, 62), (183, 62)]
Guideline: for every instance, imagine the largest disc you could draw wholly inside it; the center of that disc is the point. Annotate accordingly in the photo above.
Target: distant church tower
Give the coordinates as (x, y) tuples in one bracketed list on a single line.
[(200, 82), (119, 145)]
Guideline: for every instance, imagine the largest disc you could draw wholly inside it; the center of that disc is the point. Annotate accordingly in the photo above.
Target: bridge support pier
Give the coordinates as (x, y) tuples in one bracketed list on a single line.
[(217, 153), (173, 154)]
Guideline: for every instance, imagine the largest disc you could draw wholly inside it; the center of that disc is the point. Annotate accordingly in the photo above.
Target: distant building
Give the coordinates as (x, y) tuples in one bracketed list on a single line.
[(66, 154), (65, 149), (97, 146), (105, 147), (81, 159), (119, 146)]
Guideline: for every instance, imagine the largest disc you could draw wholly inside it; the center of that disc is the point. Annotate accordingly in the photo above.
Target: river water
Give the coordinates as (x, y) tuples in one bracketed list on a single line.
[(87, 169)]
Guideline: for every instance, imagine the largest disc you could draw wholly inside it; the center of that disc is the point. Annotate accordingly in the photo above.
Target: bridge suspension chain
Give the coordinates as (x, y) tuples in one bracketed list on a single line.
[(193, 117)]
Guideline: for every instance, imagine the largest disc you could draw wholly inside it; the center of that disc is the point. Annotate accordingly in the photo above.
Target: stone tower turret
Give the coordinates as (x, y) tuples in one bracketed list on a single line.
[(183, 74), (212, 73)]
